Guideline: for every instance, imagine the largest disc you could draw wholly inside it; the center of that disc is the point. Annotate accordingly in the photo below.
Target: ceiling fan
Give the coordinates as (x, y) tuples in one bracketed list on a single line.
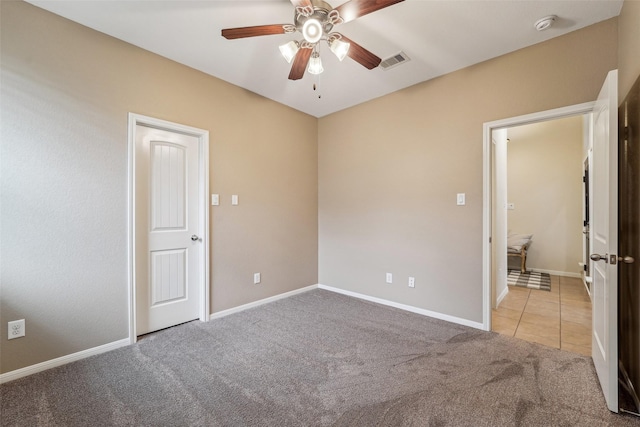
[(315, 20)]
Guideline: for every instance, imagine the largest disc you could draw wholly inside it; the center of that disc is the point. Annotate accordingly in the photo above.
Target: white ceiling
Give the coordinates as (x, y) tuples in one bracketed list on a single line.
[(440, 36)]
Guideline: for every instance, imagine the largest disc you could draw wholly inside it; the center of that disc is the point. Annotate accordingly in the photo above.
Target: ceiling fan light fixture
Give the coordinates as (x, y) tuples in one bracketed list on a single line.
[(315, 64), (339, 48), (289, 50), (312, 30)]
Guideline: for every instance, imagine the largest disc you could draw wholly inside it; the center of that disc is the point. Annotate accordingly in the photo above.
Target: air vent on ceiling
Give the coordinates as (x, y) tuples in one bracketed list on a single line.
[(394, 61)]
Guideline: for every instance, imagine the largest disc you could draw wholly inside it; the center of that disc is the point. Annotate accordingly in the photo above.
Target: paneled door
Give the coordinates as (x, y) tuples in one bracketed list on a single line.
[(604, 240), (167, 229)]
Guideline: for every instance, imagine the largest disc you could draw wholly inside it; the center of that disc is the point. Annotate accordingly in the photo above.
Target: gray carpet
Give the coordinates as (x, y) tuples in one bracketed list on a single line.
[(316, 359)]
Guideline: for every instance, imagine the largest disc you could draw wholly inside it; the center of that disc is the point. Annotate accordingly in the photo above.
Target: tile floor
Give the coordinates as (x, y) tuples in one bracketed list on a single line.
[(560, 318)]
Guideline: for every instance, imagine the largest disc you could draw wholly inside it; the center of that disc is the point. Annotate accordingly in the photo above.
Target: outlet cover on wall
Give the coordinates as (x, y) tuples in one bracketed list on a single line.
[(16, 329), (389, 278), (412, 282), (256, 278)]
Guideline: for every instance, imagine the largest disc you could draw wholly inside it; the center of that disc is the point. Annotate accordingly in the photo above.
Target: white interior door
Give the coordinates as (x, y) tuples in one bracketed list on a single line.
[(168, 236), (604, 240)]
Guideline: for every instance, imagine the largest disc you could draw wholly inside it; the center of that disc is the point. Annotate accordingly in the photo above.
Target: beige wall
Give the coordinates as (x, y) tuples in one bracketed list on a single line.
[(390, 170), (66, 92), (628, 46), (544, 169)]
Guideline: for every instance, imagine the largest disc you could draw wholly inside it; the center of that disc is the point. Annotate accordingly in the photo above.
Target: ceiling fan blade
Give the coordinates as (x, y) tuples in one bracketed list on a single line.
[(300, 64), (301, 3), (356, 8), (361, 55), (258, 30)]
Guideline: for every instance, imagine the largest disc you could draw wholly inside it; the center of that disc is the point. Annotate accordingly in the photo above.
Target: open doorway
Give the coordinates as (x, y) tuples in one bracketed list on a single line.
[(604, 230), (491, 239), (538, 204)]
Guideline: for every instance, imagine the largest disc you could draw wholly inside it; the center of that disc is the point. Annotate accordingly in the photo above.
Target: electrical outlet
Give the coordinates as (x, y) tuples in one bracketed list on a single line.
[(16, 329), (389, 278), (256, 278), (412, 282)]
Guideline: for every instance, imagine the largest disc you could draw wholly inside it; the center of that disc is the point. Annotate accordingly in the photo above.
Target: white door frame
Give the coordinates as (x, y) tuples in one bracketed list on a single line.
[(488, 127), (203, 215)]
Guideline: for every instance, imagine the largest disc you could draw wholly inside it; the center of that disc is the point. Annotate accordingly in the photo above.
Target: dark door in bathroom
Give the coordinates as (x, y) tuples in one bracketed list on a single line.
[(629, 250)]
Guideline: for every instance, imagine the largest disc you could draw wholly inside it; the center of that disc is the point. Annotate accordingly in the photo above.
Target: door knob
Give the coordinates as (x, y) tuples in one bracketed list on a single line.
[(627, 259), (195, 238), (596, 257)]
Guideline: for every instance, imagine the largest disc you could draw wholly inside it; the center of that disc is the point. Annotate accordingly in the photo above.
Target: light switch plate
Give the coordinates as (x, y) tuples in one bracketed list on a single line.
[(234, 199), (215, 199), (460, 198)]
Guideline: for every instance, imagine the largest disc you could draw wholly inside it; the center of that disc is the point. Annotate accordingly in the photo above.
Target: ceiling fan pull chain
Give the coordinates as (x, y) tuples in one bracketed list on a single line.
[(316, 86)]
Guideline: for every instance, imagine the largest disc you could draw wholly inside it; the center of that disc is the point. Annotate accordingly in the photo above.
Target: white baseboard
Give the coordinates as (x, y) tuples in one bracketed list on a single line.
[(239, 308), (405, 307), (557, 273), (502, 295), (39, 367), (29, 370)]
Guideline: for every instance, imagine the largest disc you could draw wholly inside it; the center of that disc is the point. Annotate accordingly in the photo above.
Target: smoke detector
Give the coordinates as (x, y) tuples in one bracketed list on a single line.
[(544, 23)]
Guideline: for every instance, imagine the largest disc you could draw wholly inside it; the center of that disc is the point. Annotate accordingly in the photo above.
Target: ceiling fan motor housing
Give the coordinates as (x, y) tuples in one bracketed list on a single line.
[(320, 13)]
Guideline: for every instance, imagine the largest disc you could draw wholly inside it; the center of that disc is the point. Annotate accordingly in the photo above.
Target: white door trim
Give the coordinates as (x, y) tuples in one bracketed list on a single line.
[(488, 127), (203, 215)]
